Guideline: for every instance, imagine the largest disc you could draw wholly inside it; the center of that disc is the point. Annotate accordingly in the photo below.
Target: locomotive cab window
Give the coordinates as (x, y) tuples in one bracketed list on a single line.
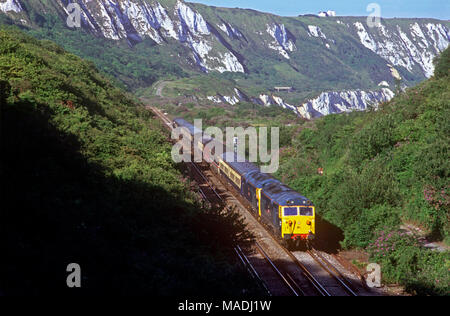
[(306, 211), (290, 211)]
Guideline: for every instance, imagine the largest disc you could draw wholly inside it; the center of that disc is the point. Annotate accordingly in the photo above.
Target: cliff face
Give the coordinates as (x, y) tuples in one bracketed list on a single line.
[(312, 54), (331, 102), (135, 20), (10, 6), (411, 44), (344, 101)]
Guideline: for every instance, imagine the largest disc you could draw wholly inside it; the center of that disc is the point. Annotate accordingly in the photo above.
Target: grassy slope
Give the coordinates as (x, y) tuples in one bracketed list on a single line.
[(131, 67), (87, 177), (381, 168)]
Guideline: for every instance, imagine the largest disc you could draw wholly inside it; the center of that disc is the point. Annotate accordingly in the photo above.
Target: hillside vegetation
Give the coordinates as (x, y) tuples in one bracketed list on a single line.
[(130, 67), (87, 178), (383, 168)]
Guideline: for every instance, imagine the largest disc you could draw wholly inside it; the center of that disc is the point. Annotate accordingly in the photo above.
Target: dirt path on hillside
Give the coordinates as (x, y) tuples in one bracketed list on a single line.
[(159, 88)]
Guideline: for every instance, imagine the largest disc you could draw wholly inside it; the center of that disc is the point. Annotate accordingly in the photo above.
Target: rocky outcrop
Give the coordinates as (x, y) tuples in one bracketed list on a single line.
[(233, 99), (283, 40), (11, 6), (413, 46), (134, 20), (345, 101), (231, 31), (303, 52), (332, 102)]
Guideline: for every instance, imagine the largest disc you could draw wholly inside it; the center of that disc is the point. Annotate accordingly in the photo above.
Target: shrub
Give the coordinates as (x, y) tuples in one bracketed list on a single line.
[(404, 261), (87, 177), (442, 64), (373, 139)]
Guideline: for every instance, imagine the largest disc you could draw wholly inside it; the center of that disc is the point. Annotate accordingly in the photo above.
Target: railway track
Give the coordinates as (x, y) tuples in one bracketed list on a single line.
[(280, 281), (332, 271), (208, 192), (167, 122), (285, 277), (251, 269)]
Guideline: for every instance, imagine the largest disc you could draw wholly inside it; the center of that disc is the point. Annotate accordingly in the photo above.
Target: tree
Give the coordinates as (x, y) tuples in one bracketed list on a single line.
[(5, 88), (442, 64)]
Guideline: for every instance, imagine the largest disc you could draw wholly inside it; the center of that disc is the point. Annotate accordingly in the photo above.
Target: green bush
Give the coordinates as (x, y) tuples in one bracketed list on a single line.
[(373, 139), (382, 168), (442, 64), (87, 177), (361, 232), (403, 260)]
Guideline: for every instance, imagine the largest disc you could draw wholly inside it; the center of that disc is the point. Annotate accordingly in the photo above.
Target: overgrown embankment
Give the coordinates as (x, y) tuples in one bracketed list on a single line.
[(382, 168), (87, 177)]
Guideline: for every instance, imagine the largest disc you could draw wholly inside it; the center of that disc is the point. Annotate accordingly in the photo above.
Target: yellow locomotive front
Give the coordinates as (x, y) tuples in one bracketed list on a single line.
[(290, 214), (297, 222)]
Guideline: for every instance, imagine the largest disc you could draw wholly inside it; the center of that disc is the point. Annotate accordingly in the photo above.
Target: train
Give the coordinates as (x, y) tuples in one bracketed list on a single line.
[(289, 215)]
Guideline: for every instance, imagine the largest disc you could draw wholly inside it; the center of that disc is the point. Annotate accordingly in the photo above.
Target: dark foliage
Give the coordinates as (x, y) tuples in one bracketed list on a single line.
[(87, 178)]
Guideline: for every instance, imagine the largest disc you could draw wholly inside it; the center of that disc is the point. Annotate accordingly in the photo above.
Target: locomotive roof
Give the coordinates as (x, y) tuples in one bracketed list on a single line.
[(192, 129), (240, 167), (283, 195), (275, 190)]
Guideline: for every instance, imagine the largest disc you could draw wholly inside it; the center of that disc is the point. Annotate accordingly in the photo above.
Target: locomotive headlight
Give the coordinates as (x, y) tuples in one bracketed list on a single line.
[(308, 222)]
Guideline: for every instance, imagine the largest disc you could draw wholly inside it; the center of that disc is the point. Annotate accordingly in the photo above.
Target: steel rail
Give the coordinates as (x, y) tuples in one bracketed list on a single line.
[(246, 262), (165, 120), (291, 279), (308, 275), (277, 271), (206, 180), (326, 265), (315, 283)]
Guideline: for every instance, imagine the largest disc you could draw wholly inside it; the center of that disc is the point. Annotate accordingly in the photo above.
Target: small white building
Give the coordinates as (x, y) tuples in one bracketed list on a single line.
[(328, 13)]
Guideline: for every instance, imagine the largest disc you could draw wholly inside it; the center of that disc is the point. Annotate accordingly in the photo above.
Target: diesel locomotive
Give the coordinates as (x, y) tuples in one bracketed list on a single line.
[(290, 215)]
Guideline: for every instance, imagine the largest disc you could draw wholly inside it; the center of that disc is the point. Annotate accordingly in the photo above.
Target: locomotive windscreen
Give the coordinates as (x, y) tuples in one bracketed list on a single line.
[(306, 211), (290, 211)]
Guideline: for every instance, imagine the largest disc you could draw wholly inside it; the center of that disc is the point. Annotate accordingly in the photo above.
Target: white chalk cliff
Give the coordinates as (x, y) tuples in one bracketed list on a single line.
[(414, 46), (10, 6), (345, 101), (134, 20)]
